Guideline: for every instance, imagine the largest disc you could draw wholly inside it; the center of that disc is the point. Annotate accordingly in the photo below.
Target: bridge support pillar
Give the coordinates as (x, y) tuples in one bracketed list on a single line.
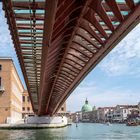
[(56, 121)]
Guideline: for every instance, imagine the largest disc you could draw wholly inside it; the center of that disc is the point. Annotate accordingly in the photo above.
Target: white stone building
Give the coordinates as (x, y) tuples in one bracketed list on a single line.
[(121, 112), (118, 113), (102, 113)]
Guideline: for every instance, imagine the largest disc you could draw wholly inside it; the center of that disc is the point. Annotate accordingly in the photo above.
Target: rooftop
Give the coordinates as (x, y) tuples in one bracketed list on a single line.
[(6, 58)]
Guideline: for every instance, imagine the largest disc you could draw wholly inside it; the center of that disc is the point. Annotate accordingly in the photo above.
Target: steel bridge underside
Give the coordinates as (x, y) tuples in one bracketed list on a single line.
[(58, 42)]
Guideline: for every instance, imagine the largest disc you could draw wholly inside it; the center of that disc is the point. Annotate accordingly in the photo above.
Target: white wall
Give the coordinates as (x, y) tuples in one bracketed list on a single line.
[(15, 117), (17, 92), (47, 120)]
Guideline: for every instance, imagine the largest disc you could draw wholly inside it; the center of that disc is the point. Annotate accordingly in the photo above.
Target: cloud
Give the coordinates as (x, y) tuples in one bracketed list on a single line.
[(100, 96), (125, 58)]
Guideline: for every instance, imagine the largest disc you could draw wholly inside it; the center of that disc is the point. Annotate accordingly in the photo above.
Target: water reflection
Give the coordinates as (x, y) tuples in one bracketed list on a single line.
[(82, 132)]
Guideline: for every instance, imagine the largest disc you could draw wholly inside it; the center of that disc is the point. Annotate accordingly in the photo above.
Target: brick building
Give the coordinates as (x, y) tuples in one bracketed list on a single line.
[(11, 90), (26, 105), (62, 110)]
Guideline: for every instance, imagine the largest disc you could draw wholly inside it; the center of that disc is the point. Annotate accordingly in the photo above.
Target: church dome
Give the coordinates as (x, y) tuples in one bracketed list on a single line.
[(86, 107)]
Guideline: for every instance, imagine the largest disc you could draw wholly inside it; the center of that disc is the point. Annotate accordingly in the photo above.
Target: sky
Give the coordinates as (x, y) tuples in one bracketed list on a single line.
[(115, 80)]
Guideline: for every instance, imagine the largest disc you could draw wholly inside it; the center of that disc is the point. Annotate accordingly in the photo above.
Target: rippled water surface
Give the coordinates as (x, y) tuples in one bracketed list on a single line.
[(84, 131)]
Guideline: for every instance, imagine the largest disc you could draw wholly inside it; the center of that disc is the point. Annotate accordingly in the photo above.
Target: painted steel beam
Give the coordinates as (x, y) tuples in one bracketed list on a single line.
[(9, 13), (25, 5), (50, 11), (126, 26), (58, 48)]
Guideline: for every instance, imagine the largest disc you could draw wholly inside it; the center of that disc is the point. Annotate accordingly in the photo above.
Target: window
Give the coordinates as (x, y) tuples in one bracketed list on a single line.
[(0, 67), (23, 108), (62, 108), (23, 98), (0, 81), (28, 99), (28, 108)]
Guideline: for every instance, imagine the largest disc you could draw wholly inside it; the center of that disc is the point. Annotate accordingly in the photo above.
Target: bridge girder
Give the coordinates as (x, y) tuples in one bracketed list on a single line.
[(59, 42)]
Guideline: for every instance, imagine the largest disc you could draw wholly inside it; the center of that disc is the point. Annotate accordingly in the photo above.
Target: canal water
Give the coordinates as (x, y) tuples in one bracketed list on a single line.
[(84, 131)]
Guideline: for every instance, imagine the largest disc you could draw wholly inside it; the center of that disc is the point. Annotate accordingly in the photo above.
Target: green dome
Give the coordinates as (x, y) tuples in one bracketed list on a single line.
[(86, 107)]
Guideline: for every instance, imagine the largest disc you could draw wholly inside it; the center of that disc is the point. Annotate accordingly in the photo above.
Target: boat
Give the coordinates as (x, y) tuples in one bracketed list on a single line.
[(108, 123), (132, 123)]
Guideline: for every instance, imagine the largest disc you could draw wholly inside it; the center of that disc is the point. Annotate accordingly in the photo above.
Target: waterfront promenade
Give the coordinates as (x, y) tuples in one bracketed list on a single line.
[(84, 131)]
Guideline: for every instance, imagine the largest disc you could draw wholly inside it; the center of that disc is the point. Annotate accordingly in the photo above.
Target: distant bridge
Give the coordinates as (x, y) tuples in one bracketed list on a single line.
[(58, 42)]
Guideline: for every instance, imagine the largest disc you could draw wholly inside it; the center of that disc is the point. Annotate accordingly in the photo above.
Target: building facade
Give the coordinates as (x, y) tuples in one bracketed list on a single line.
[(104, 113), (26, 105), (118, 113), (11, 90), (62, 110), (87, 112), (121, 112)]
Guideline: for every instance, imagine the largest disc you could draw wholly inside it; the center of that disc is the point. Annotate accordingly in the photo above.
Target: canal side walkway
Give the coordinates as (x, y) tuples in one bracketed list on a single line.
[(31, 126)]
